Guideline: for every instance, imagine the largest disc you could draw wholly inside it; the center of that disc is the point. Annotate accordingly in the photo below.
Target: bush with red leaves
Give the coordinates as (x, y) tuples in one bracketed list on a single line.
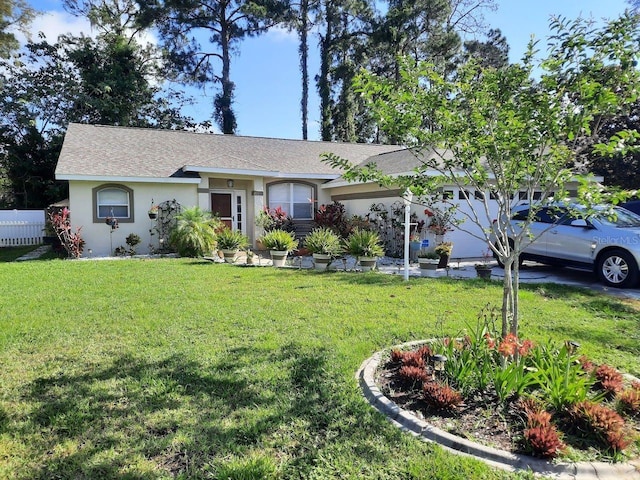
[(543, 441), (413, 375), (541, 436), (604, 425), (609, 379), (441, 396), (629, 401)]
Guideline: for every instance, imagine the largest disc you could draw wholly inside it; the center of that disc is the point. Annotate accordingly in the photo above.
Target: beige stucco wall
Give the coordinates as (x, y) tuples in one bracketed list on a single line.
[(98, 236)]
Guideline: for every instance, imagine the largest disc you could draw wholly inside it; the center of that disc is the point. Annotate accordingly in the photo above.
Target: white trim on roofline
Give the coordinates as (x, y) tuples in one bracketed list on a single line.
[(260, 173), (101, 178), (230, 171)]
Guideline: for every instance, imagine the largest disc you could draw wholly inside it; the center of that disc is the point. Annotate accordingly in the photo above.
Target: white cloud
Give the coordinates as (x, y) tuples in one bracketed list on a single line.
[(281, 34), (55, 23)]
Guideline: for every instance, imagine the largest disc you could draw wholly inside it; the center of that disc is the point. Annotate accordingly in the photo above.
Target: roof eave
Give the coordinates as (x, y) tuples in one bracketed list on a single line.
[(115, 178)]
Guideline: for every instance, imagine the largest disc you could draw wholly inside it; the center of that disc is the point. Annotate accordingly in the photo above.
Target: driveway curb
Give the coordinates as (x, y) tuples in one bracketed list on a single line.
[(497, 458)]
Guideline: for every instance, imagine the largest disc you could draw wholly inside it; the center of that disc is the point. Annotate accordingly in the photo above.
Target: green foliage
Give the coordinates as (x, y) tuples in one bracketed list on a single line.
[(560, 376), (324, 240), (231, 239), (364, 243), (14, 15), (195, 233), (279, 240)]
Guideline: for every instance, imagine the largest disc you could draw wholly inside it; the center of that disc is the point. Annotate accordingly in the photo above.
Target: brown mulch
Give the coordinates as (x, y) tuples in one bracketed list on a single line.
[(479, 419)]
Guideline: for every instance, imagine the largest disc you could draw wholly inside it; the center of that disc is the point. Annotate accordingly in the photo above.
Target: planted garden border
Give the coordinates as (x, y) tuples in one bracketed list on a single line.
[(405, 420)]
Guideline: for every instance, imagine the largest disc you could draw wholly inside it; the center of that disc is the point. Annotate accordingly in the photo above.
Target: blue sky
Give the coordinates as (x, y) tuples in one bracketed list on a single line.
[(267, 78)]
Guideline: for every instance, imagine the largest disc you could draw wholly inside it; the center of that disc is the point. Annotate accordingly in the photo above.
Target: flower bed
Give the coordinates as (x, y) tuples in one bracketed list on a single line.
[(516, 396)]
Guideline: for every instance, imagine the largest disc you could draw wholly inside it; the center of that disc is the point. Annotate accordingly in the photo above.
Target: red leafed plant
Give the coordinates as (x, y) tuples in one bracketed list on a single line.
[(591, 419), (413, 375), (408, 358), (70, 240), (540, 436), (629, 400), (609, 379), (441, 396), (543, 440)]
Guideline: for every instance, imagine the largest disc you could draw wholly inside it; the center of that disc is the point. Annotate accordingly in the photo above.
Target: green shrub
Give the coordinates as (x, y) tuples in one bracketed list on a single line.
[(279, 240), (194, 234), (231, 239), (324, 241), (364, 243)]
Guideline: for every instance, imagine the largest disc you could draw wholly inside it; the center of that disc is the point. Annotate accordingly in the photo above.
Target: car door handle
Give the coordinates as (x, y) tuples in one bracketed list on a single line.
[(555, 232)]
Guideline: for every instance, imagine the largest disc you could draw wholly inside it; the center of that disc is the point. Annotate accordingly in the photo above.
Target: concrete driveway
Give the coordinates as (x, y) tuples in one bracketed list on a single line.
[(529, 273)]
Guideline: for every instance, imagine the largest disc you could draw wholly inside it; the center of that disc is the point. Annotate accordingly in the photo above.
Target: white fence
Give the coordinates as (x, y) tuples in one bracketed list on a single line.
[(21, 227)]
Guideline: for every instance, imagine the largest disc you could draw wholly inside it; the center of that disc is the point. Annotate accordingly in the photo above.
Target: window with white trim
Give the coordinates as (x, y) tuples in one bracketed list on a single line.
[(113, 201), (294, 198)]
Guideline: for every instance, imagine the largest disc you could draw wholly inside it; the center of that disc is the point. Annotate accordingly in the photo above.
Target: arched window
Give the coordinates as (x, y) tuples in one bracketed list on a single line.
[(113, 201), (295, 198)]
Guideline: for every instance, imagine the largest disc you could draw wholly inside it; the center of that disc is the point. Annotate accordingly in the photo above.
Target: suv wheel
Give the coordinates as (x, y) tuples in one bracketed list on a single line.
[(617, 268)]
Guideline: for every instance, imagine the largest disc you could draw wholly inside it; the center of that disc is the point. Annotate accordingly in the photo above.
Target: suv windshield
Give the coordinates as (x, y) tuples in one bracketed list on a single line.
[(622, 218)]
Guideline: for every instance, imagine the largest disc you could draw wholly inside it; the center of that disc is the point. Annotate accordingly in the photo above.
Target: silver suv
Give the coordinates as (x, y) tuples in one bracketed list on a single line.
[(606, 245)]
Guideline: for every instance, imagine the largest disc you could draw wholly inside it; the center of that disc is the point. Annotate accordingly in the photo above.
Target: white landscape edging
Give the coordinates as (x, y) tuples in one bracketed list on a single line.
[(497, 458)]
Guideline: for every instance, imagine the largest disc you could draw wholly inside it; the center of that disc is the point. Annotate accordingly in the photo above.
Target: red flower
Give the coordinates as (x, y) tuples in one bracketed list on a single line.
[(524, 348), (491, 343), (508, 345), (428, 212)]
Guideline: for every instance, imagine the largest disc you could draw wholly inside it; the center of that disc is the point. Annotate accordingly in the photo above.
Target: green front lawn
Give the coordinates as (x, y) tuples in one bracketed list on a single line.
[(183, 369)]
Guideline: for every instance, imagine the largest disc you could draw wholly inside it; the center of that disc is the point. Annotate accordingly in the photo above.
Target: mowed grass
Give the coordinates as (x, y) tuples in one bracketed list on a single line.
[(176, 368)]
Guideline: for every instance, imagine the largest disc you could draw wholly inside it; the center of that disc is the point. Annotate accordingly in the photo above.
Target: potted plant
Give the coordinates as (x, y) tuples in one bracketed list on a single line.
[(483, 269), (153, 212), (230, 242), (279, 243), (365, 245), (325, 245), (428, 261), (444, 249)]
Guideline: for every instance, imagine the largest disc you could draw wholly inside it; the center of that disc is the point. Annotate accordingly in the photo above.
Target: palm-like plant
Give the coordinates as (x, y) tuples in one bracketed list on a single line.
[(279, 240), (364, 243), (324, 241), (231, 239), (195, 232)]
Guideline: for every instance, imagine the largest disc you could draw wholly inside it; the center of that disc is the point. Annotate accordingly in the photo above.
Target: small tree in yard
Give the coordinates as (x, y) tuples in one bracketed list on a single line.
[(504, 132)]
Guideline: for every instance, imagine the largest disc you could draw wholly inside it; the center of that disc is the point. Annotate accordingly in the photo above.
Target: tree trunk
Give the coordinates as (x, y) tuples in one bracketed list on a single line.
[(304, 68), (324, 87), (224, 112), (507, 297)]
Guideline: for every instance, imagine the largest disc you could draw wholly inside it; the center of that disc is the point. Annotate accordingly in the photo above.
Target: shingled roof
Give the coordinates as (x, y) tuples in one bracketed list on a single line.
[(95, 151)]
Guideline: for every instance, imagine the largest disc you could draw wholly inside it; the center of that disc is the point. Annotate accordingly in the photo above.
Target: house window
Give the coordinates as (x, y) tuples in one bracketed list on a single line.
[(294, 198), (113, 201)]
